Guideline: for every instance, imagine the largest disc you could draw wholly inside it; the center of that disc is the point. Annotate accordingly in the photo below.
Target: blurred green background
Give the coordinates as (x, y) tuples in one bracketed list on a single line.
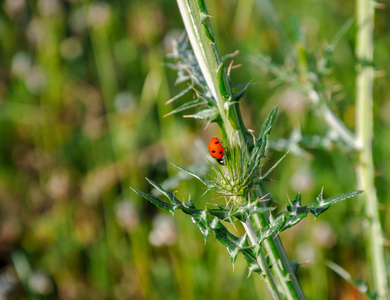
[(82, 93)]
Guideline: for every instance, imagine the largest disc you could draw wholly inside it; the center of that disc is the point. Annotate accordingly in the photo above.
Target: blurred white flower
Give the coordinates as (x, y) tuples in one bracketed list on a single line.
[(14, 7), (124, 101), (99, 14), (21, 64), (58, 185), (37, 32), (35, 80), (306, 252), (127, 216), (164, 231), (302, 179), (40, 283), (324, 235), (77, 21), (48, 7)]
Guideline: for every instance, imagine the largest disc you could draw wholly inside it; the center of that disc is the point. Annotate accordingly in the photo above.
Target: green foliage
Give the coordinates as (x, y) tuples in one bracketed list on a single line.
[(309, 72), (210, 219), (189, 70), (82, 91), (236, 181)]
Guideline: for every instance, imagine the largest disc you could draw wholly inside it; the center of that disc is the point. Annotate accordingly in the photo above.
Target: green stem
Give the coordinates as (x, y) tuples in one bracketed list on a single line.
[(261, 260), (196, 21), (364, 134), (201, 36), (288, 282)]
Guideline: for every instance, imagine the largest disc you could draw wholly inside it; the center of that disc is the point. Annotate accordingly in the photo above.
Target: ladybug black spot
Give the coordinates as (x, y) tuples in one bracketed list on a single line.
[(216, 143), (213, 151), (220, 152)]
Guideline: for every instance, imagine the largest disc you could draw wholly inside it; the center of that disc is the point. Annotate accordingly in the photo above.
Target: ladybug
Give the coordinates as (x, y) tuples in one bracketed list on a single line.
[(216, 150)]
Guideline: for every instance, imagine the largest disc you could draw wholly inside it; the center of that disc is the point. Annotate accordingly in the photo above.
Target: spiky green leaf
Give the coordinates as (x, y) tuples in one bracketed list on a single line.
[(322, 204), (273, 167), (181, 94), (156, 201), (231, 242), (210, 114), (187, 105), (290, 219), (295, 206), (200, 178), (342, 197), (241, 93), (266, 129), (167, 194)]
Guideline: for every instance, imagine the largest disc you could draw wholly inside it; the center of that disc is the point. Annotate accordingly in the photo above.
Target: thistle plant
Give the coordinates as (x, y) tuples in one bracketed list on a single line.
[(240, 179)]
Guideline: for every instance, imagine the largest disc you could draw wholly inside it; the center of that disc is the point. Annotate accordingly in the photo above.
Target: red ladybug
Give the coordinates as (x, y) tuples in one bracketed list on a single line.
[(216, 150)]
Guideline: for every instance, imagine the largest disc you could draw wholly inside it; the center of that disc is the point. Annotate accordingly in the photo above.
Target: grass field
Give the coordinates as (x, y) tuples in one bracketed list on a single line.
[(83, 86)]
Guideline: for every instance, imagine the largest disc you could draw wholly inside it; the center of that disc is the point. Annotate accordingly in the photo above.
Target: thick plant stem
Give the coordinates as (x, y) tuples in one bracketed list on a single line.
[(364, 134), (274, 247), (200, 33), (261, 260), (201, 36)]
